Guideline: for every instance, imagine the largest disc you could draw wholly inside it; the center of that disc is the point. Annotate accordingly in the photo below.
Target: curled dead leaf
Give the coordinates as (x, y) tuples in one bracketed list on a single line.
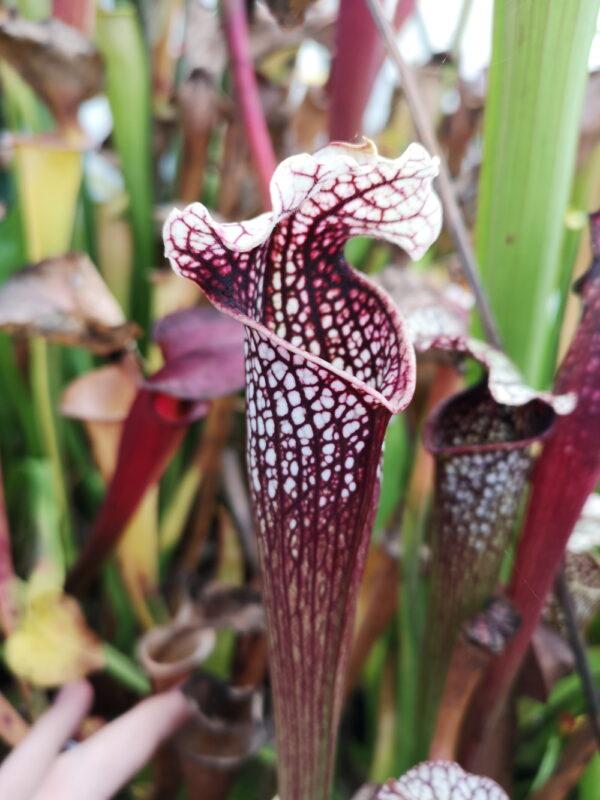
[(101, 395), (437, 318), (65, 300), (59, 62), (582, 571)]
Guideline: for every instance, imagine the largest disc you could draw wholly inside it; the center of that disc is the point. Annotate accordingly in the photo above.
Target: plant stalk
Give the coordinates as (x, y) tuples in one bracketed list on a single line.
[(42, 393), (354, 69), (235, 25)]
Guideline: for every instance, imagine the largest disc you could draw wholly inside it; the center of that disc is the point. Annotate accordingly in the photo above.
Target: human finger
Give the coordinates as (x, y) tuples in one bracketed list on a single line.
[(24, 768), (98, 767)]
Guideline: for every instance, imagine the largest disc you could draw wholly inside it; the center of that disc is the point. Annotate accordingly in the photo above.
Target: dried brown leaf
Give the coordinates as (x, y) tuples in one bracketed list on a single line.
[(102, 395), (59, 63), (65, 300), (582, 571)]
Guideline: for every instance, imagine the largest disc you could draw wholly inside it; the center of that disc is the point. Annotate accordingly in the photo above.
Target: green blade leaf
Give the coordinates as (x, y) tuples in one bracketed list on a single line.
[(119, 39), (537, 79)]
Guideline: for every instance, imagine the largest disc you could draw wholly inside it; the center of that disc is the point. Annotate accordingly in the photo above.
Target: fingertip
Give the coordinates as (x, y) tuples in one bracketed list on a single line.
[(78, 694), (180, 704)]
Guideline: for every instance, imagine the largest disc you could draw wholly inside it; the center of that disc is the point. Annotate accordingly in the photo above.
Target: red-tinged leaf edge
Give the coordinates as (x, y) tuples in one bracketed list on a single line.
[(327, 362), (437, 318)]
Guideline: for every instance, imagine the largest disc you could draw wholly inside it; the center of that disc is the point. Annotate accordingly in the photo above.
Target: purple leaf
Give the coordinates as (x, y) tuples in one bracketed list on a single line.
[(199, 329), (199, 374), (327, 362), (440, 780), (204, 354)]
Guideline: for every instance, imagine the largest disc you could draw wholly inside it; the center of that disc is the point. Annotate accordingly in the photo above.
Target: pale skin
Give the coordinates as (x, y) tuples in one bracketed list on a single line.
[(98, 767)]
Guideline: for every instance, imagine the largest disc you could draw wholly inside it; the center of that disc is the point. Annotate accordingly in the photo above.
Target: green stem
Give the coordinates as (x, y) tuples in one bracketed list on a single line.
[(42, 394), (123, 670), (411, 627), (590, 780)]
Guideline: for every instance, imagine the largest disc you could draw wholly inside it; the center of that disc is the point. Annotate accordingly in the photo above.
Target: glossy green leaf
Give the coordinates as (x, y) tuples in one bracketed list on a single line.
[(119, 39), (537, 80)]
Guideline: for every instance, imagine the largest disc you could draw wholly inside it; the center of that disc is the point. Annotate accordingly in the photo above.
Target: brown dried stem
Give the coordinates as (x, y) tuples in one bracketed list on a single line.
[(483, 637), (575, 757), (578, 646), (216, 433)]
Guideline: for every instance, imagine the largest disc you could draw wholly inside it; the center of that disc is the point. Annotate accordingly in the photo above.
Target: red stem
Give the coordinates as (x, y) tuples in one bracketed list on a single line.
[(148, 442), (235, 24), (355, 67), (564, 477)]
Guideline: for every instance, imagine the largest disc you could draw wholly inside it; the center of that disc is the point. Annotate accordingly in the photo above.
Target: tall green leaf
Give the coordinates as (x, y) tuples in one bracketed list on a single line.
[(537, 79), (119, 39)]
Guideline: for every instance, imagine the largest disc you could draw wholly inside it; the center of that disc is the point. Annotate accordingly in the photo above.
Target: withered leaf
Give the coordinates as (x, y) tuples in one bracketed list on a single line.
[(59, 62), (102, 395), (65, 300), (437, 318)]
